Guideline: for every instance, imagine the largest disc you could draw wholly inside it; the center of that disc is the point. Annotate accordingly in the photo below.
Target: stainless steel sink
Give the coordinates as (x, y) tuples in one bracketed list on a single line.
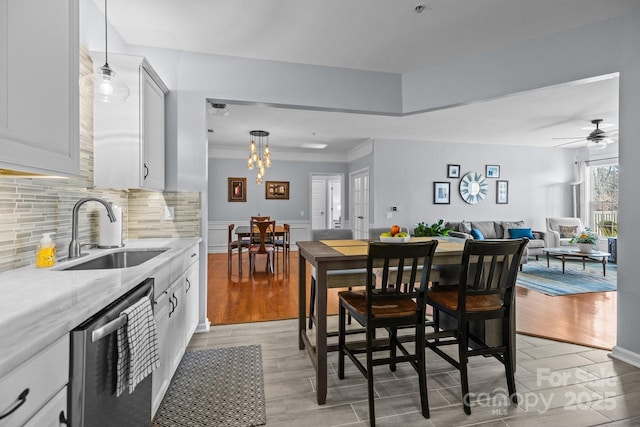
[(122, 259)]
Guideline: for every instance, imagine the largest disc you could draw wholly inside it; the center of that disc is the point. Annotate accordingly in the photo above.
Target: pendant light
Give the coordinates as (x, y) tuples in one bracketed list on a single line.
[(259, 154), (107, 88)]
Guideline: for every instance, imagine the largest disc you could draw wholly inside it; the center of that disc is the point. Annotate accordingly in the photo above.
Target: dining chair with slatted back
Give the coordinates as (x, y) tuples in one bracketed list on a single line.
[(488, 273), (388, 303), (262, 235), (335, 278), (284, 243), (235, 245)]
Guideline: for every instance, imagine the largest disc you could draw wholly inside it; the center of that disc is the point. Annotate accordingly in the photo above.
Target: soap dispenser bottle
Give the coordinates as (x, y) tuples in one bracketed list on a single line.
[(46, 252)]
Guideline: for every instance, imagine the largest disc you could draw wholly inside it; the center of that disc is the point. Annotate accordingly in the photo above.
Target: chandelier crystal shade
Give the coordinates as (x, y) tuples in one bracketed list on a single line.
[(259, 153)]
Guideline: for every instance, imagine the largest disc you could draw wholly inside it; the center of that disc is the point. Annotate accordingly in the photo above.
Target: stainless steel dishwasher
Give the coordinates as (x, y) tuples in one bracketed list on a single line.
[(94, 355)]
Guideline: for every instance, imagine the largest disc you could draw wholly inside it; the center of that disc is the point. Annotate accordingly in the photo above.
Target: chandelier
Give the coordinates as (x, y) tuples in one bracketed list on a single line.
[(259, 154)]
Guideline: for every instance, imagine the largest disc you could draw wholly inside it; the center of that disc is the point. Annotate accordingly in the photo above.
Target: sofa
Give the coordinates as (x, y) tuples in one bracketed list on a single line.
[(499, 230), (560, 230)]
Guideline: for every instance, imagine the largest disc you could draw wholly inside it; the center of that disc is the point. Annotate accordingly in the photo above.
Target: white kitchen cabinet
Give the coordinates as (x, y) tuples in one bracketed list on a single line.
[(177, 322), (162, 375), (175, 309), (129, 137), (33, 389), (53, 414), (39, 96), (192, 290)]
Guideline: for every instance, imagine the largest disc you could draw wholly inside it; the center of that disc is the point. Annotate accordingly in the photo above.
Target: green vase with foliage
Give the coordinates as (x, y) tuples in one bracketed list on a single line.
[(436, 229)]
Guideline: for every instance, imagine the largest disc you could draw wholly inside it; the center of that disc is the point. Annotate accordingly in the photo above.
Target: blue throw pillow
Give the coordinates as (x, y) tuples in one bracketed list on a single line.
[(477, 234), (517, 233)]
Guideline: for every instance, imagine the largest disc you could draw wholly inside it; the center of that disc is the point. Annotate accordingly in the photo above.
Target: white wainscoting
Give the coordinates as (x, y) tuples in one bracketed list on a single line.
[(218, 230)]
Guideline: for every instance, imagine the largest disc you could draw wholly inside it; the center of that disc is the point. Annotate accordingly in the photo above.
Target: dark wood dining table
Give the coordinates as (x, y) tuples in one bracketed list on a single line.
[(326, 255), (244, 231)]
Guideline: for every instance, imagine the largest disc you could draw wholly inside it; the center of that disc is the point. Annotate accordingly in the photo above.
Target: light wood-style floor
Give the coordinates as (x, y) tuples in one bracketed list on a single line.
[(585, 319)]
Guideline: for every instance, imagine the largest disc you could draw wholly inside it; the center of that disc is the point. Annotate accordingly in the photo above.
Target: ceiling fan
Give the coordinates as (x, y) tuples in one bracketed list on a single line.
[(598, 139)]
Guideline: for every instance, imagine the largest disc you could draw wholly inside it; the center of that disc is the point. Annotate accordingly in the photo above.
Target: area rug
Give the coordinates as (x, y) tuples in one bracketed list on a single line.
[(550, 280), (218, 387)]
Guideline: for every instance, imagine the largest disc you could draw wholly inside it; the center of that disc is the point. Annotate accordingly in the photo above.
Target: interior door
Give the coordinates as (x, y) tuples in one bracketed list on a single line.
[(360, 207), (335, 198), (318, 204)]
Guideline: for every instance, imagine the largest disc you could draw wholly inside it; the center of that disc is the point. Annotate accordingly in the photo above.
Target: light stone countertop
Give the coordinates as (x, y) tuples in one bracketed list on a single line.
[(40, 305)]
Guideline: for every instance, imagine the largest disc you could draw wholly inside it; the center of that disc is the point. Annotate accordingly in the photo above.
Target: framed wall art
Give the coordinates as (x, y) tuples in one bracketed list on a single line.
[(441, 193), (493, 171), (502, 192), (278, 190), (453, 171), (237, 189)]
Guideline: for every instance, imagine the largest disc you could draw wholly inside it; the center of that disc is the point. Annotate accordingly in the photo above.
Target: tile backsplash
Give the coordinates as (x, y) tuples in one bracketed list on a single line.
[(32, 206)]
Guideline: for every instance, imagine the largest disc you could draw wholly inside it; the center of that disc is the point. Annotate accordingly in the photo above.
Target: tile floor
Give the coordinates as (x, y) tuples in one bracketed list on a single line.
[(558, 384)]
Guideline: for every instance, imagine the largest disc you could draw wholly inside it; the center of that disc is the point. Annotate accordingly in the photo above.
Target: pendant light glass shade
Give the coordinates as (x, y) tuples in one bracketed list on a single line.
[(106, 87)]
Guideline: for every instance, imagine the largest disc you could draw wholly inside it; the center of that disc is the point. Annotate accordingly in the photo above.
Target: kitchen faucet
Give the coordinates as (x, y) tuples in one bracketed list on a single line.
[(74, 246)]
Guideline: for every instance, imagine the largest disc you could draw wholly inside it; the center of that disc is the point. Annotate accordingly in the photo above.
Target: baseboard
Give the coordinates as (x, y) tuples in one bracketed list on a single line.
[(625, 355), (203, 327)]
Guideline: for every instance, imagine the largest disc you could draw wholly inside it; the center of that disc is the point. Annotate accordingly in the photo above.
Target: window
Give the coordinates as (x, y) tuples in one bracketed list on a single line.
[(603, 199)]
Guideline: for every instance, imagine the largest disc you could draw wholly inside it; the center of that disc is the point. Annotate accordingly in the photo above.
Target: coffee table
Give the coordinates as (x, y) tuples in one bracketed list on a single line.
[(572, 253)]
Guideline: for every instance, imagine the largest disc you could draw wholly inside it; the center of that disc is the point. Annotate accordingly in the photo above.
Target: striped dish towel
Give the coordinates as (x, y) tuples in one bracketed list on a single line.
[(137, 346)]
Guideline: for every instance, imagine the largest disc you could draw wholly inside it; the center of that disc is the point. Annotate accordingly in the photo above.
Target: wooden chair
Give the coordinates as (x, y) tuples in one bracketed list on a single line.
[(284, 243), (235, 245), (261, 219), (390, 304), (335, 278), (487, 277), (261, 236)]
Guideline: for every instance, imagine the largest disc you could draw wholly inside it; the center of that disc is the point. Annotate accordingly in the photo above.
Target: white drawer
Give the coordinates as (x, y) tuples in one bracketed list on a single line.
[(161, 280), (182, 263), (53, 414), (44, 375)]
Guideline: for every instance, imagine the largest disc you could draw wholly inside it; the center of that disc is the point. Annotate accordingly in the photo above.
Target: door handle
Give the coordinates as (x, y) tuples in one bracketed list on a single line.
[(360, 217)]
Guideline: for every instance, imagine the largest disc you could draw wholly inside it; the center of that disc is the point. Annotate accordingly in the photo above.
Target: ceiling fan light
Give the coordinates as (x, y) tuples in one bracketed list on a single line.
[(597, 144)]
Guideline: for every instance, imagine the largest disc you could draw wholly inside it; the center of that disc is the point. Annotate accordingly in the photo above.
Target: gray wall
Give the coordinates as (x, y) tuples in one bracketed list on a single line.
[(297, 173), (537, 178)]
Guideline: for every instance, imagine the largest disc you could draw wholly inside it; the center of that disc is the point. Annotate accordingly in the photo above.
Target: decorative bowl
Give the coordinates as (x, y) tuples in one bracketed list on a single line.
[(388, 239)]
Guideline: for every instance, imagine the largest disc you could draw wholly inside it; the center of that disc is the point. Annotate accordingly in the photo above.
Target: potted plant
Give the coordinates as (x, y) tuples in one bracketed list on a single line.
[(436, 229), (585, 240)]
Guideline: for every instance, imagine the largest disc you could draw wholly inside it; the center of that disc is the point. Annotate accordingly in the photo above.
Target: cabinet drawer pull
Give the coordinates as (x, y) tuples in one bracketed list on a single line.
[(188, 287), (21, 401), (173, 306), (193, 254), (146, 171), (62, 419)]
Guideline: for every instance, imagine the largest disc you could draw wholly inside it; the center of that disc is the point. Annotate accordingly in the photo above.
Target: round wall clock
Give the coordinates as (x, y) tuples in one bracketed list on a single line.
[(473, 188)]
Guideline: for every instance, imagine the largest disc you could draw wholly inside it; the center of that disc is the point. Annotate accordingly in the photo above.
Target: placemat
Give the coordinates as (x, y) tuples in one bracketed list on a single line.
[(346, 242), (352, 250)]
